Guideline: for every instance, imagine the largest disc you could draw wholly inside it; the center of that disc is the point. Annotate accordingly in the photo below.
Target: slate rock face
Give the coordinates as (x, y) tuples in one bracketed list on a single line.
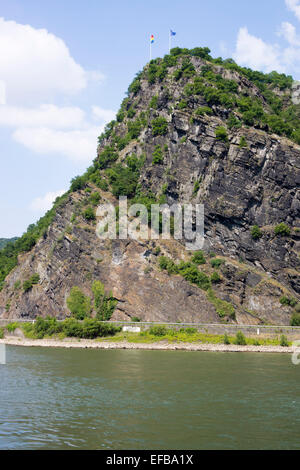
[(239, 187)]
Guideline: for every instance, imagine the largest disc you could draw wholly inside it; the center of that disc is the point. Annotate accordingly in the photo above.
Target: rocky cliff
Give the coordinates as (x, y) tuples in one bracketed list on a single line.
[(192, 129)]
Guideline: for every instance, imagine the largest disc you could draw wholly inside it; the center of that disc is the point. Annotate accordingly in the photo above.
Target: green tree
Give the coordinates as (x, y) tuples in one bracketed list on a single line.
[(79, 304)]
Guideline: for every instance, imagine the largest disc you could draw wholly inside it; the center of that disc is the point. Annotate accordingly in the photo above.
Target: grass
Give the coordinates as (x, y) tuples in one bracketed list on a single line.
[(161, 335), (173, 336)]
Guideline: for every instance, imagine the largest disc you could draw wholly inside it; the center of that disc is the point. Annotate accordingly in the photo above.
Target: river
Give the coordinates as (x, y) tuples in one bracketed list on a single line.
[(116, 399)]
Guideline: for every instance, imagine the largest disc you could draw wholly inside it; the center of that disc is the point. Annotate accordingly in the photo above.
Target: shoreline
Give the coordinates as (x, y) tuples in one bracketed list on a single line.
[(162, 346)]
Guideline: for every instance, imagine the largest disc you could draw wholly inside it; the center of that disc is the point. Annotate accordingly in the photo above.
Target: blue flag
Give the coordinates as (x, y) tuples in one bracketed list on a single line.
[(172, 33)]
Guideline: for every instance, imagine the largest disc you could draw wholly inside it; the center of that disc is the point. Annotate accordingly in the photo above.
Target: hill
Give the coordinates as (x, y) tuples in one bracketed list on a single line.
[(5, 241), (192, 129)]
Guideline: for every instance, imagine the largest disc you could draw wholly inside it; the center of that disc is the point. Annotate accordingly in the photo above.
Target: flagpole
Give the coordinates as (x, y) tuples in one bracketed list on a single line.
[(150, 51), (169, 42)]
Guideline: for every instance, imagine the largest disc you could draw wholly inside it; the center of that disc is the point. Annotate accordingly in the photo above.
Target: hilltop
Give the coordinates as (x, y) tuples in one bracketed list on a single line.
[(191, 129)]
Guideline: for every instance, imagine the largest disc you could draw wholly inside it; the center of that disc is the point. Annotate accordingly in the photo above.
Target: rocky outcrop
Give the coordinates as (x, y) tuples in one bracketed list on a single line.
[(240, 186)]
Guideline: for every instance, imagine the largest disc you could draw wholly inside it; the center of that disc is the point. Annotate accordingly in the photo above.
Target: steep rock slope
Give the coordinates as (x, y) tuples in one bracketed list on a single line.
[(191, 130)]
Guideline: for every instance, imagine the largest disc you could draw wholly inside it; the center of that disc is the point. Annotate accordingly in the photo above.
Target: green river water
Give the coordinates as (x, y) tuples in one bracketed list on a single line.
[(117, 399)]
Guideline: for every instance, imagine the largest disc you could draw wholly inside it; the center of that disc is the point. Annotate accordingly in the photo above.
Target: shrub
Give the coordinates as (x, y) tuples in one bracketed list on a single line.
[(295, 320), (107, 157), (282, 229), (33, 280), (159, 126), (221, 134), (182, 104), (216, 262), (78, 304), (1, 333), (167, 264), (223, 308), (240, 339), (283, 341), (11, 327), (95, 198), (157, 156), (153, 102), (256, 233), (89, 214), (135, 128), (203, 110), (192, 274), (78, 183), (226, 339), (198, 257), (123, 180), (243, 142), (135, 319), (190, 331), (288, 301), (158, 330), (215, 278)]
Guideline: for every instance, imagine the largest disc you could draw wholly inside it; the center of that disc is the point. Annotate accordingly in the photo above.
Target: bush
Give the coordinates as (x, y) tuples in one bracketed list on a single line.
[(216, 262), (78, 304), (78, 183), (243, 142), (107, 157), (198, 257), (157, 156), (190, 331), (95, 199), (282, 229), (135, 319), (203, 110), (123, 180), (191, 273), (166, 264), (290, 301), (256, 233), (226, 339), (1, 333), (223, 308), (221, 134), (89, 214), (284, 342), (159, 126), (158, 330), (240, 339), (215, 278), (11, 327), (33, 280), (295, 320)]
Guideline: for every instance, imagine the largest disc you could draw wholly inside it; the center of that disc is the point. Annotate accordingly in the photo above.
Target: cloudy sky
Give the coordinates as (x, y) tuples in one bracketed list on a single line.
[(66, 64)]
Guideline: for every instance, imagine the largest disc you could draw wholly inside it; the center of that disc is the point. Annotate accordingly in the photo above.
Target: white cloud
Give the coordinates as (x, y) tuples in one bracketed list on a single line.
[(44, 203), (294, 6), (288, 32), (77, 145), (2, 92), (103, 114), (256, 53), (36, 65), (45, 115)]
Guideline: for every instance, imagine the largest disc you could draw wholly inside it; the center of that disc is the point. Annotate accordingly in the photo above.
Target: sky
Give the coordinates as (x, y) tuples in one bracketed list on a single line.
[(65, 66)]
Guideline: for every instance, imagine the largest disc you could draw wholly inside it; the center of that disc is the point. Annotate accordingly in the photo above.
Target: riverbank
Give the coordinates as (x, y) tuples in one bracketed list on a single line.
[(161, 345)]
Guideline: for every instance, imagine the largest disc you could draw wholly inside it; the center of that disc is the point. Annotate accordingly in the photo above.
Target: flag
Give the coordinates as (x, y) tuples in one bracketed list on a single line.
[(172, 33), (152, 39)]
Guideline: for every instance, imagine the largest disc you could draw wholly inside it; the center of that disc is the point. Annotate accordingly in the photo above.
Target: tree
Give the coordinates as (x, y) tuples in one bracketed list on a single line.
[(79, 304)]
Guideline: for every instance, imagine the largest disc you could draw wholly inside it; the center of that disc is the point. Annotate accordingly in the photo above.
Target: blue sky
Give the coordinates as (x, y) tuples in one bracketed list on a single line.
[(66, 64)]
